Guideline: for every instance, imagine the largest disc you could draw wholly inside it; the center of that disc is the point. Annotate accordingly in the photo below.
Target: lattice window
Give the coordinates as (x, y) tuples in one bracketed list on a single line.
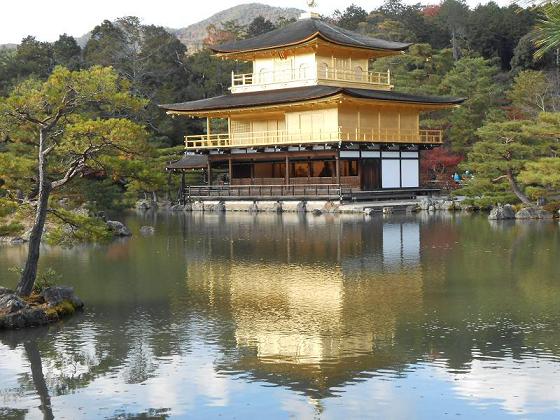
[(240, 126)]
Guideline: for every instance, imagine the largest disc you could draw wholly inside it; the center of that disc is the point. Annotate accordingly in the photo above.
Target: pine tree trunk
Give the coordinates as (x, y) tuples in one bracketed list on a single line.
[(454, 46), (515, 188), (27, 280)]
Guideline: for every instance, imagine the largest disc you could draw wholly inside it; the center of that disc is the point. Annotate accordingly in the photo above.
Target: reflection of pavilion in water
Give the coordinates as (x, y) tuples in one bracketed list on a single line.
[(313, 319)]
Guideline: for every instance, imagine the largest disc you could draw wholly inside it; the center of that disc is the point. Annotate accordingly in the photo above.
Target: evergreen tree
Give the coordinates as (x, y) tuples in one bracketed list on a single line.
[(350, 18), (534, 92), (67, 52), (33, 58), (503, 153), (68, 120), (473, 79), (259, 26)]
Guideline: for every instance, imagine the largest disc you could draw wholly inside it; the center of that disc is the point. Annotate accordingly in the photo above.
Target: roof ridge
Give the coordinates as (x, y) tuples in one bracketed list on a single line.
[(338, 30), (301, 31)]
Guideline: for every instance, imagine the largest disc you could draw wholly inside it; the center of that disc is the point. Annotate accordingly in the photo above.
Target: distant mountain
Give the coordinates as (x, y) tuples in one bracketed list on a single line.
[(193, 35)]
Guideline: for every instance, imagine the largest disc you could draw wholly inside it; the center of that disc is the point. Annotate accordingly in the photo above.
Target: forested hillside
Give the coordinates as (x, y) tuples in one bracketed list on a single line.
[(193, 35), (506, 133)]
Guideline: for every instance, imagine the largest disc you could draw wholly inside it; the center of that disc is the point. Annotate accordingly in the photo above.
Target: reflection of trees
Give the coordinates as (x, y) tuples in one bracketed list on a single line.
[(37, 382), (65, 358), (476, 303), (309, 303), (12, 413), (494, 292)]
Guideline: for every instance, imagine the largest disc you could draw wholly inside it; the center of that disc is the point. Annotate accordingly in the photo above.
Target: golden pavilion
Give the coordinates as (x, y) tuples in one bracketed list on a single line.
[(311, 119)]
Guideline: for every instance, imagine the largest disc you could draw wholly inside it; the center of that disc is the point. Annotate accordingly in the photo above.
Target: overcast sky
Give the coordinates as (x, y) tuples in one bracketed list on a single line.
[(48, 19)]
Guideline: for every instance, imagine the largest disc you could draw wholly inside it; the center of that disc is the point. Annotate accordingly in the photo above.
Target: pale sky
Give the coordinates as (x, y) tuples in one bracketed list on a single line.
[(48, 19)]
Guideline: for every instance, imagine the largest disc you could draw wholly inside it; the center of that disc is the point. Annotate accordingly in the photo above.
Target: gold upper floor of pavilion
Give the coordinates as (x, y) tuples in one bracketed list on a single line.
[(309, 52), (310, 83)]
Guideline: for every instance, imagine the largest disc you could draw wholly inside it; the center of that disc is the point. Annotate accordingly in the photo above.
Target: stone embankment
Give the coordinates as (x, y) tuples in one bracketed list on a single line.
[(315, 207), (426, 204), (51, 305)]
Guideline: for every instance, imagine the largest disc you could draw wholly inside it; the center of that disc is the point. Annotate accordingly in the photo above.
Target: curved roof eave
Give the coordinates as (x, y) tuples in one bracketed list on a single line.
[(302, 94), (303, 41), (304, 30)]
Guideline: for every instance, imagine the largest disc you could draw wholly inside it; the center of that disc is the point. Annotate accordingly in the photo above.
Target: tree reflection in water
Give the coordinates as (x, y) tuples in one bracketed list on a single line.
[(313, 304)]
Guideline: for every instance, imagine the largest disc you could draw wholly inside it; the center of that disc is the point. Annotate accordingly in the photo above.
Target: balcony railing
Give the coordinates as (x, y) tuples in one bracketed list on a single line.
[(373, 78), (246, 82), (283, 137)]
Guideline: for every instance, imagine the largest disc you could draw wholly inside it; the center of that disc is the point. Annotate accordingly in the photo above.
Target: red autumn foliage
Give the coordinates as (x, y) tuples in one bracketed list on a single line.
[(431, 10), (438, 166), (217, 36)]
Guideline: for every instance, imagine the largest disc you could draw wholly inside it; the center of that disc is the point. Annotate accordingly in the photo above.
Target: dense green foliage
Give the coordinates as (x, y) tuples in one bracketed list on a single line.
[(508, 128), (75, 124), (485, 54)]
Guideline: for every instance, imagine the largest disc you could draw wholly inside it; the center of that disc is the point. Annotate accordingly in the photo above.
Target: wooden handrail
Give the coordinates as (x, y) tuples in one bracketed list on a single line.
[(283, 137), (271, 190), (321, 73)]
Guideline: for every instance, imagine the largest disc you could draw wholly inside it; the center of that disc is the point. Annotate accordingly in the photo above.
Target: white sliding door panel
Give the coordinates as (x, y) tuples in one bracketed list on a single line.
[(409, 173), (390, 173)]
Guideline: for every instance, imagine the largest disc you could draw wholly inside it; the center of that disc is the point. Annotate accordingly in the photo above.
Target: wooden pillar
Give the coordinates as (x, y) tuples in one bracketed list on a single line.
[(287, 180), (337, 157), (182, 193), (252, 163), (360, 167), (230, 171), (399, 128), (208, 128), (379, 126), (209, 170)]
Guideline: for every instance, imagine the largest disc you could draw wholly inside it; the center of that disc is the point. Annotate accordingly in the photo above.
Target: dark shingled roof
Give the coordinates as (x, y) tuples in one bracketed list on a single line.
[(298, 94), (189, 162), (304, 29)]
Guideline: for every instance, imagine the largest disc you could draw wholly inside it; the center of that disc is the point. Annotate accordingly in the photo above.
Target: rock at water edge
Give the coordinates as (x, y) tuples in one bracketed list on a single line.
[(118, 228), (502, 212), (533, 213)]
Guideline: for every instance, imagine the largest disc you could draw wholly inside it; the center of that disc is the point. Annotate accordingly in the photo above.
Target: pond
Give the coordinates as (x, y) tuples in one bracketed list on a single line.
[(238, 315)]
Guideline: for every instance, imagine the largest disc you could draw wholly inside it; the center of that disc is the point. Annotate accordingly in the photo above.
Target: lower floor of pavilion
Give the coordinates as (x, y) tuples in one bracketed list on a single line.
[(306, 171), (360, 168)]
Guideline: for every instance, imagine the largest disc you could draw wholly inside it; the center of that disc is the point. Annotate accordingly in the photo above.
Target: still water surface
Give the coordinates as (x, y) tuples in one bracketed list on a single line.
[(290, 316)]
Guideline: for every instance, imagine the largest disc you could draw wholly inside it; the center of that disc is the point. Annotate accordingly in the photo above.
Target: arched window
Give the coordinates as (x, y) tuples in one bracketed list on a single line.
[(359, 74), (302, 72)]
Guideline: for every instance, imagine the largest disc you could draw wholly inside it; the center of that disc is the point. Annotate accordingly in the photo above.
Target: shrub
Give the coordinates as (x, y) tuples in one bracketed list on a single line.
[(46, 279), (11, 229), (7, 207)]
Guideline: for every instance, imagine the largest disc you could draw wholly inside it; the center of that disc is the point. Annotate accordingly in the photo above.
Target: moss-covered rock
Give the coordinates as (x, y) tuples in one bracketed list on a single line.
[(38, 309)]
